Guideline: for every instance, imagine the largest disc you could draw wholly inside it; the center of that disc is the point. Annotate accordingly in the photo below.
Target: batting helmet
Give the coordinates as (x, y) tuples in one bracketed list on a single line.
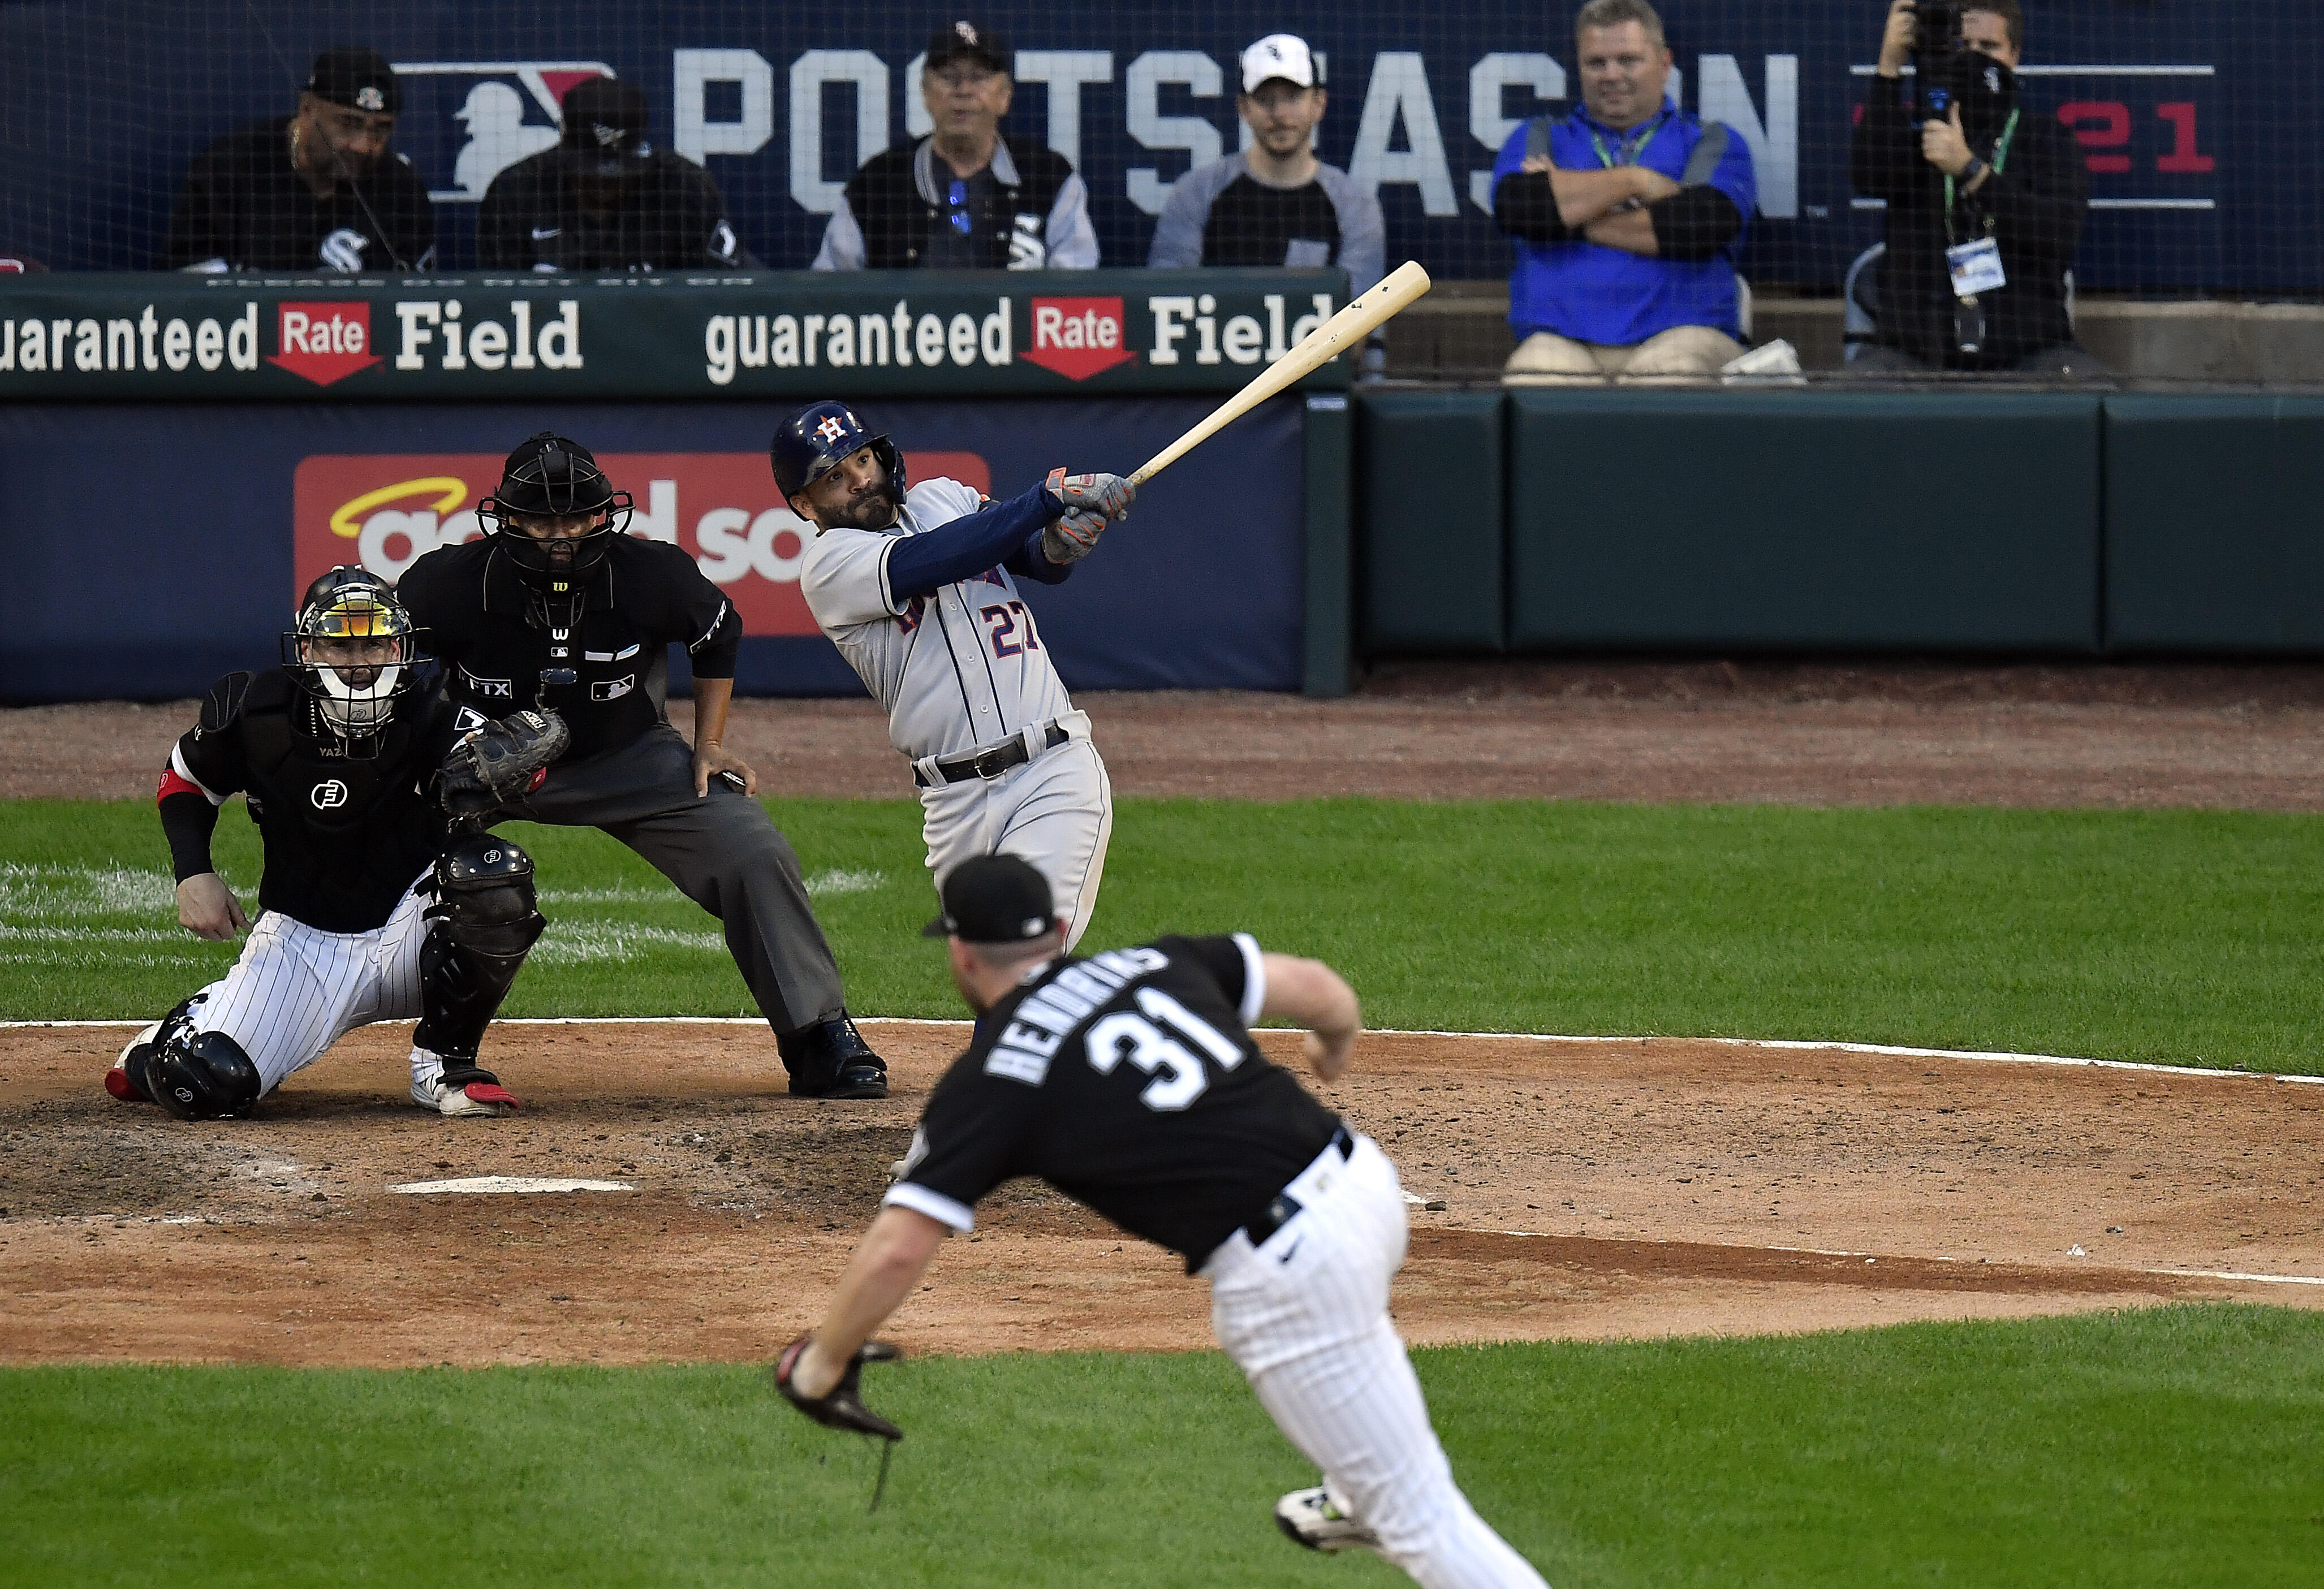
[(323, 650), (808, 442), (550, 477)]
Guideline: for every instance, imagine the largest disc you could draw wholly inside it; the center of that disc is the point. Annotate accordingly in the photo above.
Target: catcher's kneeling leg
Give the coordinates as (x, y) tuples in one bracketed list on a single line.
[(200, 1075), (481, 926)]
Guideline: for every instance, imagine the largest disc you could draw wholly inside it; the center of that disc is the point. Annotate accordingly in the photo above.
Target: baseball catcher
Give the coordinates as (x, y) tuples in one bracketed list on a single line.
[(377, 902), (918, 588)]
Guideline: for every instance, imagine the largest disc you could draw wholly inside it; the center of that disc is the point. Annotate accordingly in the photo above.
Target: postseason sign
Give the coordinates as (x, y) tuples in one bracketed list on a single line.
[(774, 334)]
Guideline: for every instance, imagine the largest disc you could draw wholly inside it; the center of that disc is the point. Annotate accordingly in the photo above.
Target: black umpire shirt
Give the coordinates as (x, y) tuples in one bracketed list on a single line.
[(344, 835), (2035, 202), (493, 635), (669, 216), (243, 204), (1129, 1082)]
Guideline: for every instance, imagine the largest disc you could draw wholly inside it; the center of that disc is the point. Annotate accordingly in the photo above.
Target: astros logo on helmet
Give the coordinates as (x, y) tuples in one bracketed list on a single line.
[(831, 429)]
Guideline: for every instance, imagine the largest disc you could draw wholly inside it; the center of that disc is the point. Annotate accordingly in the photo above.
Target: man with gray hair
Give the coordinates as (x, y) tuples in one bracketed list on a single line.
[(1627, 215), (1274, 203)]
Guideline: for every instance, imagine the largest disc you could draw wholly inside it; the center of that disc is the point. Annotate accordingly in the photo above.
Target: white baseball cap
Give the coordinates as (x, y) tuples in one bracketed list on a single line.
[(1278, 55)]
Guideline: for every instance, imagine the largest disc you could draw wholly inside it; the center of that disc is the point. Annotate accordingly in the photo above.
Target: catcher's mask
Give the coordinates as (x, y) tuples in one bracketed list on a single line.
[(353, 649), (546, 480), (808, 444)]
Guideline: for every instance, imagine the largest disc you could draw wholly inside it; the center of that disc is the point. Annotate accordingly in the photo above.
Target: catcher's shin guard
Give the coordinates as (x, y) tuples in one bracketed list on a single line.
[(483, 925)]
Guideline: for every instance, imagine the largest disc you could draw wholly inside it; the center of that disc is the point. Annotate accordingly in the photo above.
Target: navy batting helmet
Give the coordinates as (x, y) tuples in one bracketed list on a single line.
[(819, 435)]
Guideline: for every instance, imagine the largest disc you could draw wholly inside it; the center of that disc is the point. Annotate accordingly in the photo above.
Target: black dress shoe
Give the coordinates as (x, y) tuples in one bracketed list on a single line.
[(831, 1059)]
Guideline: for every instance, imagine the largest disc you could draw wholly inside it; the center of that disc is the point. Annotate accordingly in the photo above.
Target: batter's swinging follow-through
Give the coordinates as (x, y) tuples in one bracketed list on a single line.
[(916, 584)]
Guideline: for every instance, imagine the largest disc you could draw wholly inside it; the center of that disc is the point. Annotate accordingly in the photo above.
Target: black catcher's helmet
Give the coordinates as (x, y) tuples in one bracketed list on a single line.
[(342, 609), (550, 477), (819, 435)]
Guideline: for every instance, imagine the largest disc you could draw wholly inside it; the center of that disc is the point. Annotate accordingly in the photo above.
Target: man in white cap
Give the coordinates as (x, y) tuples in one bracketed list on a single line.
[(1274, 203)]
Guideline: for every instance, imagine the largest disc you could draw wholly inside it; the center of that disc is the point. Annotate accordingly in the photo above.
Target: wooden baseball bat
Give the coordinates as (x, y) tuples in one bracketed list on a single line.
[(1337, 334)]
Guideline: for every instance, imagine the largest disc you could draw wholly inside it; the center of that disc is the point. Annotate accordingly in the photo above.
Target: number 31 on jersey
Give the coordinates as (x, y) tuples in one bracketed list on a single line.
[(1146, 1041)]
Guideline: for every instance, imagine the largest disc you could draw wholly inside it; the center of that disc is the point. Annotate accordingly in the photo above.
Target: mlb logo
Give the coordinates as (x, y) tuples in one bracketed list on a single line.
[(468, 121)]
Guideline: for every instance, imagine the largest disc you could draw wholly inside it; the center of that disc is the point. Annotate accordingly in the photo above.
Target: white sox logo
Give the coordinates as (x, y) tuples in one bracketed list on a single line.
[(329, 795)]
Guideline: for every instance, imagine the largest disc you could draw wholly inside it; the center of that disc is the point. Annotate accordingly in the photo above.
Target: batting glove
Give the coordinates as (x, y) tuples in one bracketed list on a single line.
[(1108, 496)]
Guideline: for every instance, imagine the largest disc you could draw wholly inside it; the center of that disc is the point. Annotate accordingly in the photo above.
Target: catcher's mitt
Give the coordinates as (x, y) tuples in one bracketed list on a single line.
[(842, 1406), (504, 760)]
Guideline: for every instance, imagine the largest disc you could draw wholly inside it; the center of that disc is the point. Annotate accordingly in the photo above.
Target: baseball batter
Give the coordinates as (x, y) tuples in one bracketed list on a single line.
[(1129, 1082), (919, 589), (374, 908)]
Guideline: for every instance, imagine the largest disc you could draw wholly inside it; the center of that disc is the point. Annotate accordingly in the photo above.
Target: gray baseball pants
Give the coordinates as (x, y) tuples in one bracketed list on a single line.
[(722, 851)]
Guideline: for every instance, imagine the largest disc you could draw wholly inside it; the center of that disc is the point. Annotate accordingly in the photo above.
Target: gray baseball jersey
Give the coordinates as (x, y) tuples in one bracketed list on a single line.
[(956, 670), (960, 670)]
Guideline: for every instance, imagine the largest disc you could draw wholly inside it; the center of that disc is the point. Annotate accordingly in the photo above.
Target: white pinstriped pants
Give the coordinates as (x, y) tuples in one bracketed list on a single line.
[(296, 990), (1304, 1316), (1054, 812)]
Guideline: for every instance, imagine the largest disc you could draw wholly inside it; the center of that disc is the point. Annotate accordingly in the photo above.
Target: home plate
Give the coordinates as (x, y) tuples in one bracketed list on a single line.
[(511, 1183)]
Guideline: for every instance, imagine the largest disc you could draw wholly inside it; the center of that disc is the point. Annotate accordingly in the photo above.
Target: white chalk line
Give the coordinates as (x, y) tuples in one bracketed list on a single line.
[(1887, 1051), (486, 1185)]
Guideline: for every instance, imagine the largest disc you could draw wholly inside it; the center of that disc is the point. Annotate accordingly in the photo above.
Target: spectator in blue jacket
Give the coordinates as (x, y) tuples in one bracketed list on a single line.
[(1627, 215)]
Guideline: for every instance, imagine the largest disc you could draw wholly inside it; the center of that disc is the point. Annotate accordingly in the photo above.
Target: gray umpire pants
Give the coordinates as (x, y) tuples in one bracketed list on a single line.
[(722, 851)]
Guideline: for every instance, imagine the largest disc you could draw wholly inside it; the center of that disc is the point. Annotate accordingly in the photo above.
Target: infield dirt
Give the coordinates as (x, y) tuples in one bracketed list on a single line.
[(1616, 1189), (1590, 1190)]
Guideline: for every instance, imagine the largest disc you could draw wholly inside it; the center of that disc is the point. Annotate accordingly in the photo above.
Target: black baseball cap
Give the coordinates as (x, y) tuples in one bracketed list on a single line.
[(605, 117), (357, 76), (966, 39), (993, 899)]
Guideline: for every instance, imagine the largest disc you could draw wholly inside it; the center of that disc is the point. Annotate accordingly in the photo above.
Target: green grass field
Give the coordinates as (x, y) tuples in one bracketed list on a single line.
[(2184, 937), (2174, 1448), (2170, 1447)]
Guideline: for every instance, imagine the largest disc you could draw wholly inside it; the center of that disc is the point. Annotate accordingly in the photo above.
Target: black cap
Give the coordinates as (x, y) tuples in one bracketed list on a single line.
[(969, 40), (607, 118), (356, 76), (993, 899)]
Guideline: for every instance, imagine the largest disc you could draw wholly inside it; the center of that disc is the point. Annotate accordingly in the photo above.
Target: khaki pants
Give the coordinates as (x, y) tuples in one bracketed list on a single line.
[(1683, 353)]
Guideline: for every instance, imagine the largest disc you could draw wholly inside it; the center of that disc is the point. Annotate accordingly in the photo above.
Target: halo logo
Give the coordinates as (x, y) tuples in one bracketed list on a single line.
[(330, 796)]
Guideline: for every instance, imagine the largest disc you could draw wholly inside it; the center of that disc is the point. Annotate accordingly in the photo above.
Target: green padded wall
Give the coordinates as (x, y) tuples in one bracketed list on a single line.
[(1798, 519), (2214, 540), (1429, 521)]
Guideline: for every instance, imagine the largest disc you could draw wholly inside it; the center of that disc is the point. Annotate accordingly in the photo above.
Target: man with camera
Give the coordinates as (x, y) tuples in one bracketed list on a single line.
[(1986, 197)]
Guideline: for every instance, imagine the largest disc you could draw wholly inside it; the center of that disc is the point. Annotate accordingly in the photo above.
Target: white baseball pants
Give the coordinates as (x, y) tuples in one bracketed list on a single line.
[(1304, 1316), (296, 990), (1055, 811)]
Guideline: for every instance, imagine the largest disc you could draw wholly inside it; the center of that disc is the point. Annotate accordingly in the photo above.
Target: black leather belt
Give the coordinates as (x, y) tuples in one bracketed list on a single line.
[(1280, 1211), (989, 764)]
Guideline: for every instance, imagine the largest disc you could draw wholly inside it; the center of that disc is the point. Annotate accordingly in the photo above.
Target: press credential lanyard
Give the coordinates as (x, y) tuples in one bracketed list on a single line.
[(1635, 155)]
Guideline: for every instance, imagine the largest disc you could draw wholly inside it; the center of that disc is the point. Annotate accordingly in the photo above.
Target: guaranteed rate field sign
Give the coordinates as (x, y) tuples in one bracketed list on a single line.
[(771, 335)]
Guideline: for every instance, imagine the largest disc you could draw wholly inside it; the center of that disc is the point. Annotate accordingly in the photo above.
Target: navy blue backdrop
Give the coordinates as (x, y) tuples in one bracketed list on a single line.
[(164, 553), (2202, 115)]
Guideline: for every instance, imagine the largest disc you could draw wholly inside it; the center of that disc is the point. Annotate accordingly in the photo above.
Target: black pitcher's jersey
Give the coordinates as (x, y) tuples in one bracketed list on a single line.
[(344, 835), (1129, 1082), (492, 636)]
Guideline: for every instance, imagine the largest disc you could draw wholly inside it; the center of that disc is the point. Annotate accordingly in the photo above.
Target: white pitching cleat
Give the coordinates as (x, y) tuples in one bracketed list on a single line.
[(1308, 1517)]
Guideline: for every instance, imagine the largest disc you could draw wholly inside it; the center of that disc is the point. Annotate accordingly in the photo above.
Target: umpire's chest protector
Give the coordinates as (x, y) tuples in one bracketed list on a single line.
[(496, 636)]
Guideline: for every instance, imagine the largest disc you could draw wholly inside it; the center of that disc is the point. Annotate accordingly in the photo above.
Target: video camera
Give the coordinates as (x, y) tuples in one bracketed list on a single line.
[(1947, 71)]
